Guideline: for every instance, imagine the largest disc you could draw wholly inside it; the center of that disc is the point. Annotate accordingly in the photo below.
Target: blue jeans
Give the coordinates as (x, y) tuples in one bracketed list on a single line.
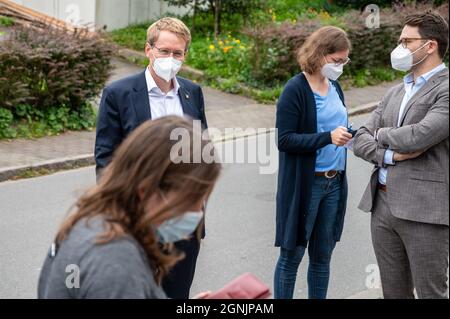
[(321, 217)]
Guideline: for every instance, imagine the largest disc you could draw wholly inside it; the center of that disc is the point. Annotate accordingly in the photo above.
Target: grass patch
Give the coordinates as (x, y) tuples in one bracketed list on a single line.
[(6, 21), (27, 122), (132, 37)]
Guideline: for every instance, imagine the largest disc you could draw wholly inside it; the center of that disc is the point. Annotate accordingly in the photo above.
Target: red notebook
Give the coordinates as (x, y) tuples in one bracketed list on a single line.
[(246, 286)]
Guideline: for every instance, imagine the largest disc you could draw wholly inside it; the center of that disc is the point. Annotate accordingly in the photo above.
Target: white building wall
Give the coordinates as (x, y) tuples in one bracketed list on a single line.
[(44, 6), (112, 14), (79, 12)]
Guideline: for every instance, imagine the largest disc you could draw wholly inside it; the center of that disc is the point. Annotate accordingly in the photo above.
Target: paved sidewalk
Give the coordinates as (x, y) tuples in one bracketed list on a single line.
[(222, 110)]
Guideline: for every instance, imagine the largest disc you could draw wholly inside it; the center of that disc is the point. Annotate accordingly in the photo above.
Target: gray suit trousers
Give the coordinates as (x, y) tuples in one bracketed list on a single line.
[(409, 254)]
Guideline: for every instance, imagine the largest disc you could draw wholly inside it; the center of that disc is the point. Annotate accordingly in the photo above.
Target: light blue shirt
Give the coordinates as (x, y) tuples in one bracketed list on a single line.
[(411, 88), (331, 113)]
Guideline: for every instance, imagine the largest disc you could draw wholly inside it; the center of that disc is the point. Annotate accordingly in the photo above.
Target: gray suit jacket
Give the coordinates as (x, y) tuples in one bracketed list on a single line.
[(417, 189)]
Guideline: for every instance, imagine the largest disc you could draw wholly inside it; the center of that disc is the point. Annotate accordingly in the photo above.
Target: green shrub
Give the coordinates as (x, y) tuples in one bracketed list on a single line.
[(47, 68), (133, 36), (6, 21), (227, 57), (6, 119), (288, 10), (47, 77), (274, 53), (28, 122), (360, 4)]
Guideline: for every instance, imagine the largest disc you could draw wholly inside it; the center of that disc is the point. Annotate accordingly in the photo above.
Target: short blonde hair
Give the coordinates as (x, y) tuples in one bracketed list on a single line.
[(324, 41), (173, 25)]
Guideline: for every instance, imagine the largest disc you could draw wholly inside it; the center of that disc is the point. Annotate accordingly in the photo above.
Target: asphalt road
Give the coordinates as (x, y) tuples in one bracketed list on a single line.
[(240, 229)]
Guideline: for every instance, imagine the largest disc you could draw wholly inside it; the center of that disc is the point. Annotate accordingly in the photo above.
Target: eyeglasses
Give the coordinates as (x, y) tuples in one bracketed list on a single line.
[(338, 62), (404, 42), (177, 54), (343, 62)]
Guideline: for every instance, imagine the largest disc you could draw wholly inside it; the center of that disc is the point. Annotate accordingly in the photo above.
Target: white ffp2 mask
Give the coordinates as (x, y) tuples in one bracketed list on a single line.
[(402, 58), (332, 71), (167, 68), (180, 227)]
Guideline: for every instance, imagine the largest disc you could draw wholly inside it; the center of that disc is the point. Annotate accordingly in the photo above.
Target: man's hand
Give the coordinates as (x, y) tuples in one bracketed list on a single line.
[(398, 157), (340, 136)]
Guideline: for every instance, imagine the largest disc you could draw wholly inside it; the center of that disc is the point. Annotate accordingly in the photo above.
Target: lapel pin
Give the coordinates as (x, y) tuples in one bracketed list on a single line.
[(187, 96)]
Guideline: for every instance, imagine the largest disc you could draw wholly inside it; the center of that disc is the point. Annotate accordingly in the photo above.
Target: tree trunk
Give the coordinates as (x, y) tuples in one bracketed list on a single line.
[(194, 14), (217, 7), (245, 16)]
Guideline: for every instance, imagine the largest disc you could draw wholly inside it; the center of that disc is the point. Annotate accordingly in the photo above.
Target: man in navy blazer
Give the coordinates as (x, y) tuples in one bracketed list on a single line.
[(153, 93), (125, 105)]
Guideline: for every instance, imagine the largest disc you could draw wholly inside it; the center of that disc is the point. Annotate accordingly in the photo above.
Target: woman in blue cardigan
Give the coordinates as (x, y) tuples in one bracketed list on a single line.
[(312, 129)]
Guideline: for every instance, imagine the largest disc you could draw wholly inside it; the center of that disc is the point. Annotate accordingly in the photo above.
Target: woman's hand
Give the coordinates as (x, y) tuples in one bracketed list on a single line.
[(340, 136), (203, 295)]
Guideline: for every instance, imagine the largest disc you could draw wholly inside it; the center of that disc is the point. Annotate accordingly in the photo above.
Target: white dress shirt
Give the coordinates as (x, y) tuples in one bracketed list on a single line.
[(411, 88), (162, 104)]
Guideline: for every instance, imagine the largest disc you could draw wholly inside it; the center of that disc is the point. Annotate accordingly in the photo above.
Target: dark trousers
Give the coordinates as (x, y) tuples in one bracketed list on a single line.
[(177, 283)]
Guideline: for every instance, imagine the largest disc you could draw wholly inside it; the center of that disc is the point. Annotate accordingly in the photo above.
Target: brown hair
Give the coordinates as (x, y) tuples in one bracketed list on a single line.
[(143, 161), (431, 26), (324, 41), (173, 25)]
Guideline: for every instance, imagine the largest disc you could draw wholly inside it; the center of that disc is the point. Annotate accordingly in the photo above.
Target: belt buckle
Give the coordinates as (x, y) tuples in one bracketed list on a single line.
[(330, 176)]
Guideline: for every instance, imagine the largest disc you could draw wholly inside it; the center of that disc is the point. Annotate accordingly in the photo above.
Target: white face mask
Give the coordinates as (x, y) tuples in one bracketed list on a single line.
[(332, 71), (402, 58), (167, 68), (180, 227)]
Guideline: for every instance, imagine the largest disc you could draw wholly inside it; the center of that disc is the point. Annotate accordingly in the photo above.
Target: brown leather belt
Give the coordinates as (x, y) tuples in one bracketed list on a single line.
[(382, 187), (327, 174)]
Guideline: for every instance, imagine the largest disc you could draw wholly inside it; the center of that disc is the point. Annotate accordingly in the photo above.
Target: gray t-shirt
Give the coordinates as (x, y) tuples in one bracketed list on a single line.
[(82, 269)]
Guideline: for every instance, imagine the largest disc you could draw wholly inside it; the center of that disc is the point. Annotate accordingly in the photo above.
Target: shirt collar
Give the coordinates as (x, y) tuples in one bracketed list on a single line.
[(409, 78), (151, 84)]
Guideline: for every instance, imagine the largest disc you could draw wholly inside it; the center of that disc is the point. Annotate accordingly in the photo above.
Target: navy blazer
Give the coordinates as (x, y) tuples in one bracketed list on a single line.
[(125, 105), (298, 142)]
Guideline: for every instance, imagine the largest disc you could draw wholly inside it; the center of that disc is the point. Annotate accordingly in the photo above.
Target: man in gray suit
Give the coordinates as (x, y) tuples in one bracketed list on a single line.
[(407, 139)]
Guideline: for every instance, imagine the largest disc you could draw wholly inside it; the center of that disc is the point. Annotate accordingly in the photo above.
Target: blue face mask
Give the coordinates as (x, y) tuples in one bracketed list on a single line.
[(180, 227)]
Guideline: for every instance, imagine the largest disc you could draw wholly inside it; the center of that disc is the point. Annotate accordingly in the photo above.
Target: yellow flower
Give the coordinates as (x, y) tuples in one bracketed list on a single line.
[(226, 49), (221, 43), (212, 47), (237, 41)]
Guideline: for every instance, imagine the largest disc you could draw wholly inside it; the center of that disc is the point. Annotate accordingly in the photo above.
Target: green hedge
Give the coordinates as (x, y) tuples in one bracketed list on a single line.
[(46, 68), (274, 53), (47, 77)]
